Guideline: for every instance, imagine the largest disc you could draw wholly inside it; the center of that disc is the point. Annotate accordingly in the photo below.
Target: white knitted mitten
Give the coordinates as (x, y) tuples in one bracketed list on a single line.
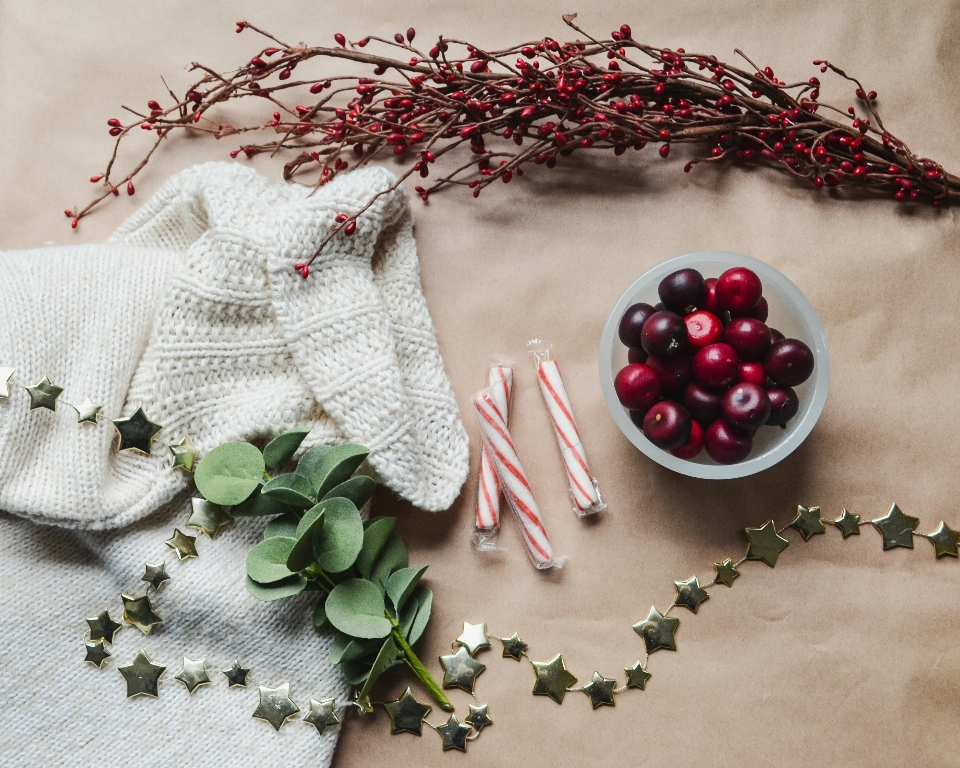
[(194, 313)]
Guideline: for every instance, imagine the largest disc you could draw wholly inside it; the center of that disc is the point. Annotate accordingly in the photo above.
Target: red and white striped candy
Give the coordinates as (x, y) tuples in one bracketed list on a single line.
[(513, 480), (586, 498), (488, 494)]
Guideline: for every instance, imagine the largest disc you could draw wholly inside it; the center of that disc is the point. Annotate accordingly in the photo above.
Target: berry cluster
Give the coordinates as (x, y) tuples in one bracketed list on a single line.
[(705, 370)]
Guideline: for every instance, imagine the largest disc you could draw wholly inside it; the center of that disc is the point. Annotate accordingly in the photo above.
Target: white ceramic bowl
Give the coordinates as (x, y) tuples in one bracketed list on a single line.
[(790, 313)]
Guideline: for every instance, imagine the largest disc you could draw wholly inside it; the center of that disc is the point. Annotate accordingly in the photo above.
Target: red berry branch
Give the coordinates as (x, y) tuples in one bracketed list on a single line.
[(533, 103)]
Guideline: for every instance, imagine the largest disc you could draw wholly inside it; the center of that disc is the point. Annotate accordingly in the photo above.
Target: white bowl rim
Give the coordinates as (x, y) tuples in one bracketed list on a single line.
[(806, 419)]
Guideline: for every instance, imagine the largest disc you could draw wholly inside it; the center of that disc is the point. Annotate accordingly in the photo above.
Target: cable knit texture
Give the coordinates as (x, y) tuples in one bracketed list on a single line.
[(193, 312)]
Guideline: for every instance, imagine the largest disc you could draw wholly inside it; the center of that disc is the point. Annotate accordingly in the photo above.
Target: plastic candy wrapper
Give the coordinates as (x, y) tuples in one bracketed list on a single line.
[(488, 492), (513, 480), (584, 491)]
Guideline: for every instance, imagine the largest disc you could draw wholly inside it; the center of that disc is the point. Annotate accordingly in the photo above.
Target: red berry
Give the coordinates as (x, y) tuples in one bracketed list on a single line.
[(694, 444), (746, 406), (789, 362), (739, 290), (749, 338), (726, 444), (703, 404), (637, 387), (754, 373), (775, 336), (716, 365), (674, 372), (710, 302), (664, 335), (703, 329), (632, 322), (667, 425), (636, 355), (784, 405), (683, 291), (759, 312), (341, 40)]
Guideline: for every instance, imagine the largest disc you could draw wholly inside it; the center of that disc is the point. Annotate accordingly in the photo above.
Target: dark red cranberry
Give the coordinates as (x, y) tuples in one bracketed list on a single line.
[(716, 365), (636, 355), (667, 425), (746, 406), (710, 303), (739, 290), (632, 323), (789, 362), (760, 312), (703, 404), (784, 405), (753, 373), (665, 335), (673, 372), (637, 418), (703, 328), (637, 387), (658, 307), (749, 338), (775, 336), (683, 291), (727, 444), (694, 443)]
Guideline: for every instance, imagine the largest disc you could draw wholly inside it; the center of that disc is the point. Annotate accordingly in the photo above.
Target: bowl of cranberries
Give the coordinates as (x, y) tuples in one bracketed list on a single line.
[(714, 365)]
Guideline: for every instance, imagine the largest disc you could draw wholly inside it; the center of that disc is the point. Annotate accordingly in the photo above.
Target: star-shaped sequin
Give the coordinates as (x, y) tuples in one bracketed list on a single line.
[(945, 540), (184, 455), (102, 627), (896, 528), (460, 670), (236, 675), (142, 675), (5, 375), (363, 705), (657, 631), (690, 594), (478, 717), (407, 714), (322, 714), (87, 412), (208, 517), (513, 647), (553, 679), (155, 574), (44, 394), (275, 705), (807, 522), (454, 734), (473, 638), (600, 691), (194, 673), (726, 572), (136, 432), (96, 653), (139, 612), (765, 543), (185, 546), (637, 676), (848, 524)]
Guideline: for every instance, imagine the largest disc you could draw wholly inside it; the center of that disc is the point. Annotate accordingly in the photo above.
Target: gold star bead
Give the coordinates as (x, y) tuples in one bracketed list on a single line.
[(363, 705), (96, 653), (765, 543), (513, 646), (139, 612), (478, 717), (657, 631), (726, 572), (87, 412), (637, 676), (944, 540), (407, 714), (184, 455), (44, 394), (460, 670), (690, 594), (142, 675), (848, 524), (102, 627), (454, 734), (807, 522), (155, 574), (5, 374), (322, 714), (185, 546), (136, 432), (600, 691), (194, 673), (275, 705), (553, 679), (236, 675), (896, 528), (208, 517), (473, 638)]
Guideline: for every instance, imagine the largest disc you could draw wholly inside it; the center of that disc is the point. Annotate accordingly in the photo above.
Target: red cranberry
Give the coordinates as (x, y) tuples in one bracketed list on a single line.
[(674, 372), (715, 365), (637, 418), (683, 291), (632, 322), (665, 335), (704, 405), (726, 444), (746, 406), (761, 311), (694, 443), (636, 355), (775, 336), (739, 290), (784, 405), (789, 362), (749, 338), (710, 303), (667, 425), (753, 373), (637, 386), (703, 328)]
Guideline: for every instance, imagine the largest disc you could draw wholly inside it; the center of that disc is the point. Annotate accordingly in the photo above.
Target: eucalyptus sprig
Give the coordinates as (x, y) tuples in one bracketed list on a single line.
[(317, 541)]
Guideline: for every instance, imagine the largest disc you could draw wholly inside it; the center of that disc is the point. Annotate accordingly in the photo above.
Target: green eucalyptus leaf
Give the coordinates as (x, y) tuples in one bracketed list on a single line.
[(338, 646), (229, 473), (358, 489), (278, 590), (285, 525), (290, 488), (423, 598), (301, 555), (392, 556), (356, 608), (266, 562), (258, 505), (311, 459), (375, 534), (356, 672), (320, 615), (339, 542), (401, 583), (333, 467), (384, 660), (361, 649), (281, 449)]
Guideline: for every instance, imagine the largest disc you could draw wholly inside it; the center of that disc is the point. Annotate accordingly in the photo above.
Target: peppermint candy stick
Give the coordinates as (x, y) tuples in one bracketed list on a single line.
[(513, 480), (488, 493)]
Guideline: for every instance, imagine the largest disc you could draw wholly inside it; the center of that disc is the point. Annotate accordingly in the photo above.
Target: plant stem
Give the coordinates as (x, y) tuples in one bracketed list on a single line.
[(411, 660)]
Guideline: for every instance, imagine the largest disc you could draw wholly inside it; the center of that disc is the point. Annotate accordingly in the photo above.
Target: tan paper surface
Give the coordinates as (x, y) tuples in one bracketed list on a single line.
[(842, 655)]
